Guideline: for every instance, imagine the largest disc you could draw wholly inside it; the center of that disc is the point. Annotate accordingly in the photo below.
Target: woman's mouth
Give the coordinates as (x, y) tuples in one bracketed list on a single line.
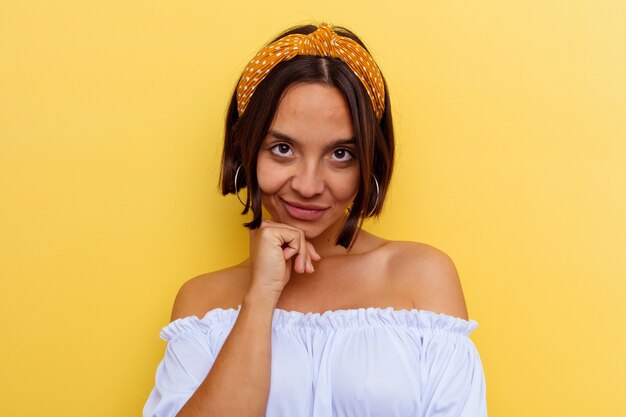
[(303, 211)]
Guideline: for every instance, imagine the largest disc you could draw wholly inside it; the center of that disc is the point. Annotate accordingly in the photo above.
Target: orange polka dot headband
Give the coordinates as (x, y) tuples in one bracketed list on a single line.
[(323, 42)]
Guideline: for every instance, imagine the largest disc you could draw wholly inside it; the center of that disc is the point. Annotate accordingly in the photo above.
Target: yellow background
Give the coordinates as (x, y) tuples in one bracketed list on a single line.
[(511, 128)]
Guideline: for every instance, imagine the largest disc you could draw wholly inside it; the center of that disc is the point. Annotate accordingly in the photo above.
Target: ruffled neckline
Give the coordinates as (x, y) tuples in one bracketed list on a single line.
[(330, 320)]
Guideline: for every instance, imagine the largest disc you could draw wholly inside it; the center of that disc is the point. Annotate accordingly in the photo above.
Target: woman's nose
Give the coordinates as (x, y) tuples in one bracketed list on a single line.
[(308, 181)]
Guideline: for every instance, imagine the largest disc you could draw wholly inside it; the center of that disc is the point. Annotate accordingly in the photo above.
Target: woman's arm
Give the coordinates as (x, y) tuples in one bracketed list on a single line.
[(238, 382)]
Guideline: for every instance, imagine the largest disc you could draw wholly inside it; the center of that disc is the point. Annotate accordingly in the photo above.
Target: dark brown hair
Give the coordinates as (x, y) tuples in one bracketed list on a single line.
[(374, 139)]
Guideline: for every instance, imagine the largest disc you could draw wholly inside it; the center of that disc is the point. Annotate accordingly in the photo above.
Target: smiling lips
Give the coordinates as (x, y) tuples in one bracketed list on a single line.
[(304, 211)]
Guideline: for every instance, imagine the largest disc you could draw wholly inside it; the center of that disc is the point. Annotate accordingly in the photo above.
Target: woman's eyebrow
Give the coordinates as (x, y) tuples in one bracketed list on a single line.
[(287, 138), (280, 136)]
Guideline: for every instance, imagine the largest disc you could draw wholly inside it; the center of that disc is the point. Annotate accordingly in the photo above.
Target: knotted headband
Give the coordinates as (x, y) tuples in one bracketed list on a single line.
[(323, 42)]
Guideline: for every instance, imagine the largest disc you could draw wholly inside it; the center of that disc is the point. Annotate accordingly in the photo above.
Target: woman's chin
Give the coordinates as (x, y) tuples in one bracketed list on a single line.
[(312, 229)]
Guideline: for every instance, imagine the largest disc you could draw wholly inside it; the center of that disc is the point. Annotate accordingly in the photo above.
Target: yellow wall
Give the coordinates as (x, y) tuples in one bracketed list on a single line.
[(511, 122)]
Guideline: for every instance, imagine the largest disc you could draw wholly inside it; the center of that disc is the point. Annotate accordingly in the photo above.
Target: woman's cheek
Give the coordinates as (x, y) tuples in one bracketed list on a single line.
[(269, 179), (346, 187)]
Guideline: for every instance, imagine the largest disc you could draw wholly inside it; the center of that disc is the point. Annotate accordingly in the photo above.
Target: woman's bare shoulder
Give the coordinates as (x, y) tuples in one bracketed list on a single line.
[(218, 289), (429, 274)]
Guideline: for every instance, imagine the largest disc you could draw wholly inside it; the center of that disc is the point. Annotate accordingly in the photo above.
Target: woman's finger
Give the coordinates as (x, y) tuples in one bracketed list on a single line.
[(309, 261), (308, 265), (314, 255), (304, 252), (289, 252), (295, 246)]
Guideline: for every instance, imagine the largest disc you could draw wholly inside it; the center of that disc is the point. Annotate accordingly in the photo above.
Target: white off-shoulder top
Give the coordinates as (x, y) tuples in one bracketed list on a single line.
[(361, 362)]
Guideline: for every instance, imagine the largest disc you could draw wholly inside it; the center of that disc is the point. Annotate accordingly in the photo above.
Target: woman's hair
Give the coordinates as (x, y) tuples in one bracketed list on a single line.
[(374, 138)]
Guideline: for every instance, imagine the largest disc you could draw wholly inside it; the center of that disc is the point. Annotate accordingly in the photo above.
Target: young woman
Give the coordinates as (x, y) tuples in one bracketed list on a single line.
[(323, 318)]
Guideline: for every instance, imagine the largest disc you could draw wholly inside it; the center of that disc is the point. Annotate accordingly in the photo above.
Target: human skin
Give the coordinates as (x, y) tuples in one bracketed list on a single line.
[(286, 250), (308, 159), (308, 177)]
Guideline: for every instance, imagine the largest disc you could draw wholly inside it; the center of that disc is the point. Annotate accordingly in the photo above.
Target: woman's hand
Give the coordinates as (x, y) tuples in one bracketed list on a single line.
[(274, 248)]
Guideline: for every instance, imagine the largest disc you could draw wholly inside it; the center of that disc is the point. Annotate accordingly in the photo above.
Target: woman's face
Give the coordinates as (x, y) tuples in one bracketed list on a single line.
[(307, 167)]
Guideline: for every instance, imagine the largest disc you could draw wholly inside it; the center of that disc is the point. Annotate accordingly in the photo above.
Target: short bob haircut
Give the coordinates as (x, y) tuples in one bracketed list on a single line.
[(374, 139)]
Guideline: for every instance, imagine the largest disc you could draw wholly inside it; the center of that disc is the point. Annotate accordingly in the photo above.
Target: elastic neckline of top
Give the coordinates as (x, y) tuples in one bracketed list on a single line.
[(340, 320), (282, 315), (344, 311)]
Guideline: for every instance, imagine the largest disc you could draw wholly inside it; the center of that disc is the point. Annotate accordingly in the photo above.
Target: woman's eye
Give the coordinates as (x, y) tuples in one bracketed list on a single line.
[(281, 149), (342, 154)]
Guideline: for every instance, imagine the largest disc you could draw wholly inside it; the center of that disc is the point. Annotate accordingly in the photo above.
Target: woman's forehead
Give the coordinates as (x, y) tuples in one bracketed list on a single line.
[(308, 109)]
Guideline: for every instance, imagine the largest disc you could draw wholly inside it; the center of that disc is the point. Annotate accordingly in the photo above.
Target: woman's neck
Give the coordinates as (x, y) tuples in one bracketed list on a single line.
[(326, 243)]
